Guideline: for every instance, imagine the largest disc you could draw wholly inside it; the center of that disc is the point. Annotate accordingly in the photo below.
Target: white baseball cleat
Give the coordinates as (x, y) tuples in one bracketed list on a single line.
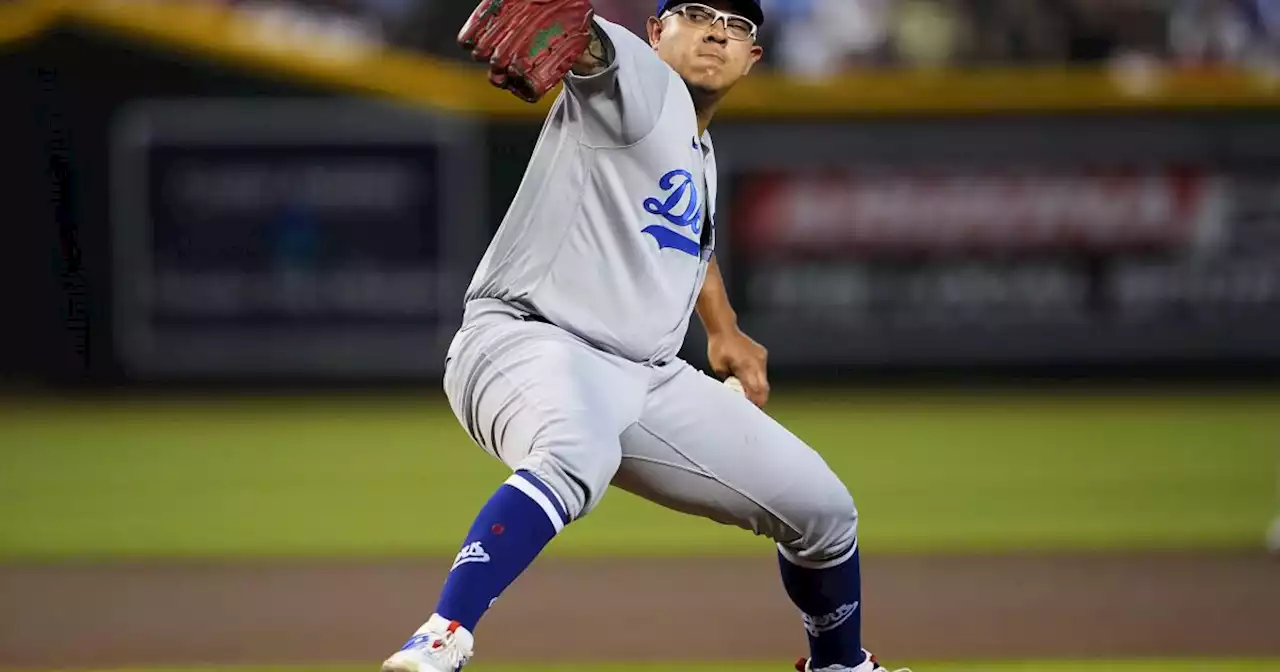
[(439, 645), (869, 665)]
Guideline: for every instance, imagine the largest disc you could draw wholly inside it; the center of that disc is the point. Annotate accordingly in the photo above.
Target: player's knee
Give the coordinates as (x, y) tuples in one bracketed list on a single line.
[(829, 529), (578, 475)]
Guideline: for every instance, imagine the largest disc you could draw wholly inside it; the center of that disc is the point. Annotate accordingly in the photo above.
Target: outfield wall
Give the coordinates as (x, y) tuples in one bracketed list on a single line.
[(1050, 220)]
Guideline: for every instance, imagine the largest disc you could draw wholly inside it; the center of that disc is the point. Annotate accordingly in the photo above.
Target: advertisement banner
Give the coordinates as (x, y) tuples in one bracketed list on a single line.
[(953, 211), (1038, 264), (299, 239)]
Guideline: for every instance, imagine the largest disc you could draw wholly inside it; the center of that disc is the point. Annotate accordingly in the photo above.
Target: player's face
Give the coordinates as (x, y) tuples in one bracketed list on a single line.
[(710, 52)]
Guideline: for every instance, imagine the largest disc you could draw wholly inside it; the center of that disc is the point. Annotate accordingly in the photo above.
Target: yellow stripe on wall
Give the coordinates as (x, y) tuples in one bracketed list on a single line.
[(21, 19), (234, 38)]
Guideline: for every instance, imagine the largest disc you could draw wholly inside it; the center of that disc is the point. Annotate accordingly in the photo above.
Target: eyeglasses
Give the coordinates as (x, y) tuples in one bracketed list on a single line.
[(735, 26)]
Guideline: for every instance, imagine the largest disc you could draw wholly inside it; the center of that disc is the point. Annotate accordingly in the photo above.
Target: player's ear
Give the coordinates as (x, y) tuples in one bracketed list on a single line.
[(757, 52), (654, 28)]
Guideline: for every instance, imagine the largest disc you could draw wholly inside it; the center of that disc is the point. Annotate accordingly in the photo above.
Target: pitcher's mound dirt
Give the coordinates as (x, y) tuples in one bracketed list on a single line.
[(915, 607)]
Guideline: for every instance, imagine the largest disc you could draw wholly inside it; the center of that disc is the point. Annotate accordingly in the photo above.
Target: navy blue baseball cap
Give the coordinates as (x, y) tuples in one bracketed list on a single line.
[(748, 8)]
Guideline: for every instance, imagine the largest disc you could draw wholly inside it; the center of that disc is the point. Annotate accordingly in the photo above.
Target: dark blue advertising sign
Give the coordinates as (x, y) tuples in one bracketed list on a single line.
[(321, 248)]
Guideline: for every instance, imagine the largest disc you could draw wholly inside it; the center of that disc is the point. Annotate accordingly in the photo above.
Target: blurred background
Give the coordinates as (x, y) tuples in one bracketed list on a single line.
[(1017, 263), (829, 36)]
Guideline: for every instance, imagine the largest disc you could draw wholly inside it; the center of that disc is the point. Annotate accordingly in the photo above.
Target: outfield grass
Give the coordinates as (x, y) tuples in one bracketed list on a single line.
[(1028, 666), (1201, 665), (391, 476)]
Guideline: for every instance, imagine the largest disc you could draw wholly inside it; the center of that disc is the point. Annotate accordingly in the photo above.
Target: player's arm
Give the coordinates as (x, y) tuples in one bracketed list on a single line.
[(529, 45), (598, 55), (717, 314), (615, 84), (617, 87), (729, 351)]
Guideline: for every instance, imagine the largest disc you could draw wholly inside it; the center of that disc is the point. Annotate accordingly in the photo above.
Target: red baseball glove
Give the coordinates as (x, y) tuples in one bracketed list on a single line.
[(530, 45)]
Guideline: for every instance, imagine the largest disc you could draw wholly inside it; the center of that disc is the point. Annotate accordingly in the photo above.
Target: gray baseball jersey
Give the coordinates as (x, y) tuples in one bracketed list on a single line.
[(611, 231), (609, 238)]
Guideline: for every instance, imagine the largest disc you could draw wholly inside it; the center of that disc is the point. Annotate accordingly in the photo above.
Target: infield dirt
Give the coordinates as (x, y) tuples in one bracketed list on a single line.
[(936, 607)]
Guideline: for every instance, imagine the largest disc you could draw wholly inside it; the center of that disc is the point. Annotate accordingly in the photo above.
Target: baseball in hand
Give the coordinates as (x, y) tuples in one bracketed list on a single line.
[(734, 384)]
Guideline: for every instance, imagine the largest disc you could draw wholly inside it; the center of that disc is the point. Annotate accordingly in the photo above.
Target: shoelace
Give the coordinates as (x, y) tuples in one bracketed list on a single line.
[(446, 649)]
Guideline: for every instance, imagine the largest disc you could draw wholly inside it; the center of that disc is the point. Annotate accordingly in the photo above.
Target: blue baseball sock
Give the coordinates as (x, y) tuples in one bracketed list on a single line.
[(518, 521), (830, 598)]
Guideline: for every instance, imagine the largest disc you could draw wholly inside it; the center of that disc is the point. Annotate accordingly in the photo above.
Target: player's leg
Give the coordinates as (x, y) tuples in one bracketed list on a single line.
[(703, 449), (551, 408)]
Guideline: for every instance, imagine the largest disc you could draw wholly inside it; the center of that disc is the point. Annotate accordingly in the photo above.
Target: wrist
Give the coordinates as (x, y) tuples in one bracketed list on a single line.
[(722, 325)]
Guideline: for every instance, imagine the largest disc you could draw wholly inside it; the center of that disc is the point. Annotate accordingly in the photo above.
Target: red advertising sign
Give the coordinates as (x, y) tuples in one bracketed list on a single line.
[(968, 211)]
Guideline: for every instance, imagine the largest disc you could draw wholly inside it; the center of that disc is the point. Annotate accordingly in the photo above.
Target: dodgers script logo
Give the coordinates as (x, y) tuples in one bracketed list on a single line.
[(681, 208), (472, 552), (816, 625)]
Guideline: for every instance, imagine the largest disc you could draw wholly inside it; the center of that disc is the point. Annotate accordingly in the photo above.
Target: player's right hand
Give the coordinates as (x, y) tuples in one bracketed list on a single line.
[(530, 45), (736, 354)]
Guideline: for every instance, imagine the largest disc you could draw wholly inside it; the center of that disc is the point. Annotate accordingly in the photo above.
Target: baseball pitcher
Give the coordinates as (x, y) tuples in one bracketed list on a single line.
[(566, 368)]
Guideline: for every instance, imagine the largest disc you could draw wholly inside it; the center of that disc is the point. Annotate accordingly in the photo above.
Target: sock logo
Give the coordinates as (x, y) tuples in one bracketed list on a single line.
[(472, 552), (816, 625)]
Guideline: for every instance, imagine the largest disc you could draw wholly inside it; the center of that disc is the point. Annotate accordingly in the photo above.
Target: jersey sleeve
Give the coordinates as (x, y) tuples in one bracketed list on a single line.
[(621, 104)]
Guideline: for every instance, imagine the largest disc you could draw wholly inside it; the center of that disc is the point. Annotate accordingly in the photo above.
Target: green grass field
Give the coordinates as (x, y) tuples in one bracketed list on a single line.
[(395, 475), (1205, 665), (1028, 666)]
